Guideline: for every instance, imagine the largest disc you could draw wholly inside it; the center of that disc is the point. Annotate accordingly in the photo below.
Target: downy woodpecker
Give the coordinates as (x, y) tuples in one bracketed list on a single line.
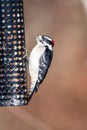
[(39, 61)]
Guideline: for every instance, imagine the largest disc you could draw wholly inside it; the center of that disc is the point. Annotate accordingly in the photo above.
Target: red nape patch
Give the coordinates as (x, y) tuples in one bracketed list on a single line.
[(53, 42)]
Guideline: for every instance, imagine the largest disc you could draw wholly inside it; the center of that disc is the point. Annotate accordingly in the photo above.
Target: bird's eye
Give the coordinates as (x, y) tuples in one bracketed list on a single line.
[(43, 38)]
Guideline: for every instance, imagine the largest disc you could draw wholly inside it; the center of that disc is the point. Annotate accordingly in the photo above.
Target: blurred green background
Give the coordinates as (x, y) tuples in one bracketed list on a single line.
[(61, 102)]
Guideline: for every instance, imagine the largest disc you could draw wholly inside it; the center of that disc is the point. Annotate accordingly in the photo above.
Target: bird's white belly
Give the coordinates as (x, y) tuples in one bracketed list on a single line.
[(34, 62)]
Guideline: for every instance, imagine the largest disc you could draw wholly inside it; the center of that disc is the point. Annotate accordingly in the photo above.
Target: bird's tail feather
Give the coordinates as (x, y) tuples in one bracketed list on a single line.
[(30, 95), (32, 91)]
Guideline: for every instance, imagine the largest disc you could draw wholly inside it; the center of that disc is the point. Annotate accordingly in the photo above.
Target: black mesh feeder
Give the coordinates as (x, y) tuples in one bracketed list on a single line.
[(13, 63)]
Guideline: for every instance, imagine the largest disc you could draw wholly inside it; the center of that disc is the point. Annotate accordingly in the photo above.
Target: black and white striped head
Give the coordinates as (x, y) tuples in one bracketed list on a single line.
[(45, 41)]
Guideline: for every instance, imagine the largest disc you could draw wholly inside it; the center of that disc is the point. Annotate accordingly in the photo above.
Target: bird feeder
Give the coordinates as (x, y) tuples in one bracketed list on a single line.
[(13, 63)]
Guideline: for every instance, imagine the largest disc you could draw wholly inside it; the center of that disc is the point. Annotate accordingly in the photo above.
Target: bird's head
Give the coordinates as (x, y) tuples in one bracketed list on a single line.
[(45, 41)]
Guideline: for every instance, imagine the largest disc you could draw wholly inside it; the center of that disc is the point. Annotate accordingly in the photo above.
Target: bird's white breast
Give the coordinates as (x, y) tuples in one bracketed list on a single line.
[(35, 56)]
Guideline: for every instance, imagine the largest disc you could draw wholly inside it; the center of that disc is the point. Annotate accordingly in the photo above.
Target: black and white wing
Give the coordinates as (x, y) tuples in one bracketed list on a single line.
[(45, 62)]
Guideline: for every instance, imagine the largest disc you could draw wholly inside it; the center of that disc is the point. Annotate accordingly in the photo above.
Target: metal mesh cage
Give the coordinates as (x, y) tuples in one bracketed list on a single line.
[(13, 73)]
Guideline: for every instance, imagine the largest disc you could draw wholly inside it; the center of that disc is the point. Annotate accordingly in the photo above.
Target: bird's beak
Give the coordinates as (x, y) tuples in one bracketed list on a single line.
[(36, 37)]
